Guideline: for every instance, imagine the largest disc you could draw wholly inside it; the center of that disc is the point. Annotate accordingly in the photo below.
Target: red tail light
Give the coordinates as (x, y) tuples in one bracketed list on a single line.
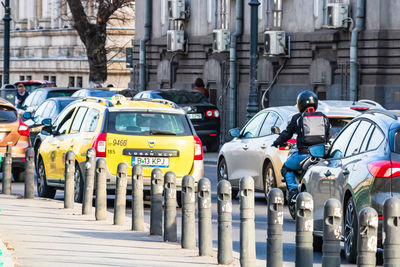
[(384, 169), (23, 129), (99, 144), (212, 113), (360, 108), (287, 147), (198, 148)]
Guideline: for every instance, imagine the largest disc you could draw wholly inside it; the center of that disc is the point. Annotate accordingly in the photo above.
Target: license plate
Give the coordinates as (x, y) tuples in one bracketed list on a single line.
[(150, 161), (194, 116)]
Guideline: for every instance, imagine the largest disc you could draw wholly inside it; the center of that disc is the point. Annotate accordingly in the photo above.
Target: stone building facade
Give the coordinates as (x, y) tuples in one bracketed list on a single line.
[(319, 56), (44, 46)]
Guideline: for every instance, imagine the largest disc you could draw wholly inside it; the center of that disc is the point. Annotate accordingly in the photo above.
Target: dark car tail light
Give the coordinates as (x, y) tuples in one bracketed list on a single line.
[(23, 129), (384, 168), (212, 113), (287, 145), (99, 144), (198, 148)]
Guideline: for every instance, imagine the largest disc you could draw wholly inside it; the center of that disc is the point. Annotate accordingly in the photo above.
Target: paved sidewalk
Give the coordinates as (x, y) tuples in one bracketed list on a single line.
[(43, 233)]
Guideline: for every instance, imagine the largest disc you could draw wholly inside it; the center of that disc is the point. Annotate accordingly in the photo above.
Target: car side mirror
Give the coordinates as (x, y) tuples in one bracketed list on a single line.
[(46, 122), (27, 115), (47, 130), (275, 130), (317, 151), (234, 132)]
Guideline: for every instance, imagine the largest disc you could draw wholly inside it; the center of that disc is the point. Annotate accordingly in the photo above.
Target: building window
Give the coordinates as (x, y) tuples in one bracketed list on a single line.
[(46, 77), (79, 81), (21, 78), (1, 79), (54, 80), (71, 82), (29, 77), (277, 14)]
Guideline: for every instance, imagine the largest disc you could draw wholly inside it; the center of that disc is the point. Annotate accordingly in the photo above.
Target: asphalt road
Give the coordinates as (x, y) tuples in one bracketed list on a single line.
[(260, 221)]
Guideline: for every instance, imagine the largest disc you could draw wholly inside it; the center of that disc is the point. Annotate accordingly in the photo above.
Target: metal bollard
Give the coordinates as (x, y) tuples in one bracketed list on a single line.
[(170, 207), (247, 227), (304, 230), (332, 233), (275, 222), (224, 193), (29, 173), (188, 213), (120, 194), (137, 199), (157, 183), (69, 190), (7, 165), (204, 214), (367, 238), (391, 226), (101, 189), (90, 170)]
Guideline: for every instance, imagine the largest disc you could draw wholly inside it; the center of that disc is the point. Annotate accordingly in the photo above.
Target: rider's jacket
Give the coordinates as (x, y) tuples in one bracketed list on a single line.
[(297, 126)]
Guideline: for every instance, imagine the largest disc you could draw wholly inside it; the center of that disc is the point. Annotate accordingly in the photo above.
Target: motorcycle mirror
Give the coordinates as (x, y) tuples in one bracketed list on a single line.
[(317, 151)]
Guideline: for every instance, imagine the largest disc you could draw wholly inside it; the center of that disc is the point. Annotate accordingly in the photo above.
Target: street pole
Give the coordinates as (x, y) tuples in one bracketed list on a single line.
[(6, 19), (252, 106)]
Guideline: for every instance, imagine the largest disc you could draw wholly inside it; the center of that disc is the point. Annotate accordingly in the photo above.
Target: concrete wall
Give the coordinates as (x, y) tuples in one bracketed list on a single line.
[(319, 56)]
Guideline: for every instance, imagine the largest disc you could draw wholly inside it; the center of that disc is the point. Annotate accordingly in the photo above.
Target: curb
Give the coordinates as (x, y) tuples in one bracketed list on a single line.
[(210, 162), (5, 256)]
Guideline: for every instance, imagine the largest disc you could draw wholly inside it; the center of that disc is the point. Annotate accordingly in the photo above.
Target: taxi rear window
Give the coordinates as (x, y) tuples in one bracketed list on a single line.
[(7, 114), (147, 123)]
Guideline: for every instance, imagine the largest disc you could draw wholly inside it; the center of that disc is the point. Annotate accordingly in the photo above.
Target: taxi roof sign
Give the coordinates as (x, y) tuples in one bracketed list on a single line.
[(118, 99)]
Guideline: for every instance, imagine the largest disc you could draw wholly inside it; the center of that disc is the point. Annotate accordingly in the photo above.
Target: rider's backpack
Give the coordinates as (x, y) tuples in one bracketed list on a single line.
[(312, 125)]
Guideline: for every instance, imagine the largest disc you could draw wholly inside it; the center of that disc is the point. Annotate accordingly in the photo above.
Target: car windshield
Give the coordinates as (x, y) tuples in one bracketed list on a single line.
[(101, 93), (60, 93), (7, 114), (64, 103), (337, 124), (183, 97), (145, 123)]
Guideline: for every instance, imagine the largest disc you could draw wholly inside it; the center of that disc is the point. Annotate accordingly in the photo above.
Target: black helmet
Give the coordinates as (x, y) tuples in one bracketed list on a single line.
[(307, 99)]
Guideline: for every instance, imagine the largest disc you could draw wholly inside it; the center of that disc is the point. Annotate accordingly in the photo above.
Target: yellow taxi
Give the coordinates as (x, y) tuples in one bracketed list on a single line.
[(153, 133)]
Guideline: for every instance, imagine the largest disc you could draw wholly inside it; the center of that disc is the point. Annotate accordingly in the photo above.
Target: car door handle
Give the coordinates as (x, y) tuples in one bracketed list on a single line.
[(345, 172), (263, 146), (328, 173), (245, 147)]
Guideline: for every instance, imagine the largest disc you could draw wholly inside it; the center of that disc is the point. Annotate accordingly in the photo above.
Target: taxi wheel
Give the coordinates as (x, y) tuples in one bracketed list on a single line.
[(78, 190), (269, 179), (43, 189)]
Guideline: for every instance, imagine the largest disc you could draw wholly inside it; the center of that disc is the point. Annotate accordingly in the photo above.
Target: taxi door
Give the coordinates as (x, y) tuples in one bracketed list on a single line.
[(72, 140)]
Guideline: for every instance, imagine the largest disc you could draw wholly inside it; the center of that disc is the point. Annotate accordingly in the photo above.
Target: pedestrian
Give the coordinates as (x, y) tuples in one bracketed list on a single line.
[(21, 95), (311, 128), (199, 86)]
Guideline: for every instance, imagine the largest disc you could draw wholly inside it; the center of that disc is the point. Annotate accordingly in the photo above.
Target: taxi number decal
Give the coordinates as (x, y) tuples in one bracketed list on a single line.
[(120, 142)]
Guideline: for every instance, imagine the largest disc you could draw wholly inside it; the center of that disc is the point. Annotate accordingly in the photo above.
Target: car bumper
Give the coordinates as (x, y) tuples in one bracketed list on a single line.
[(197, 173), (208, 136)]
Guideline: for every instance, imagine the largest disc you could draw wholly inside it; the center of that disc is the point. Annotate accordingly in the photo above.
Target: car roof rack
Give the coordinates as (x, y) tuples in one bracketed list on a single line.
[(99, 100), (382, 111)]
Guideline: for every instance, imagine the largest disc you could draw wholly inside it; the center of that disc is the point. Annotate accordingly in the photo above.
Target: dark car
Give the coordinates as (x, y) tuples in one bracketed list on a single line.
[(38, 96), (48, 109), (361, 169), (94, 93), (204, 115)]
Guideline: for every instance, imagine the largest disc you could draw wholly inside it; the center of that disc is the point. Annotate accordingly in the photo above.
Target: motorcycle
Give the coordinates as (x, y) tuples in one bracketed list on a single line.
[(299, 174)]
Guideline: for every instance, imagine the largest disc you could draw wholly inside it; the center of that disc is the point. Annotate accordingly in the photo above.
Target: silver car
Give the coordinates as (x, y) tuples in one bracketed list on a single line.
[(250, 153)]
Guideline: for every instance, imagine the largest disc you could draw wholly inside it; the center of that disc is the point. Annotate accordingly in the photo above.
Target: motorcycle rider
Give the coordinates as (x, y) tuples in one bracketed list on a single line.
[(311, 128)]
